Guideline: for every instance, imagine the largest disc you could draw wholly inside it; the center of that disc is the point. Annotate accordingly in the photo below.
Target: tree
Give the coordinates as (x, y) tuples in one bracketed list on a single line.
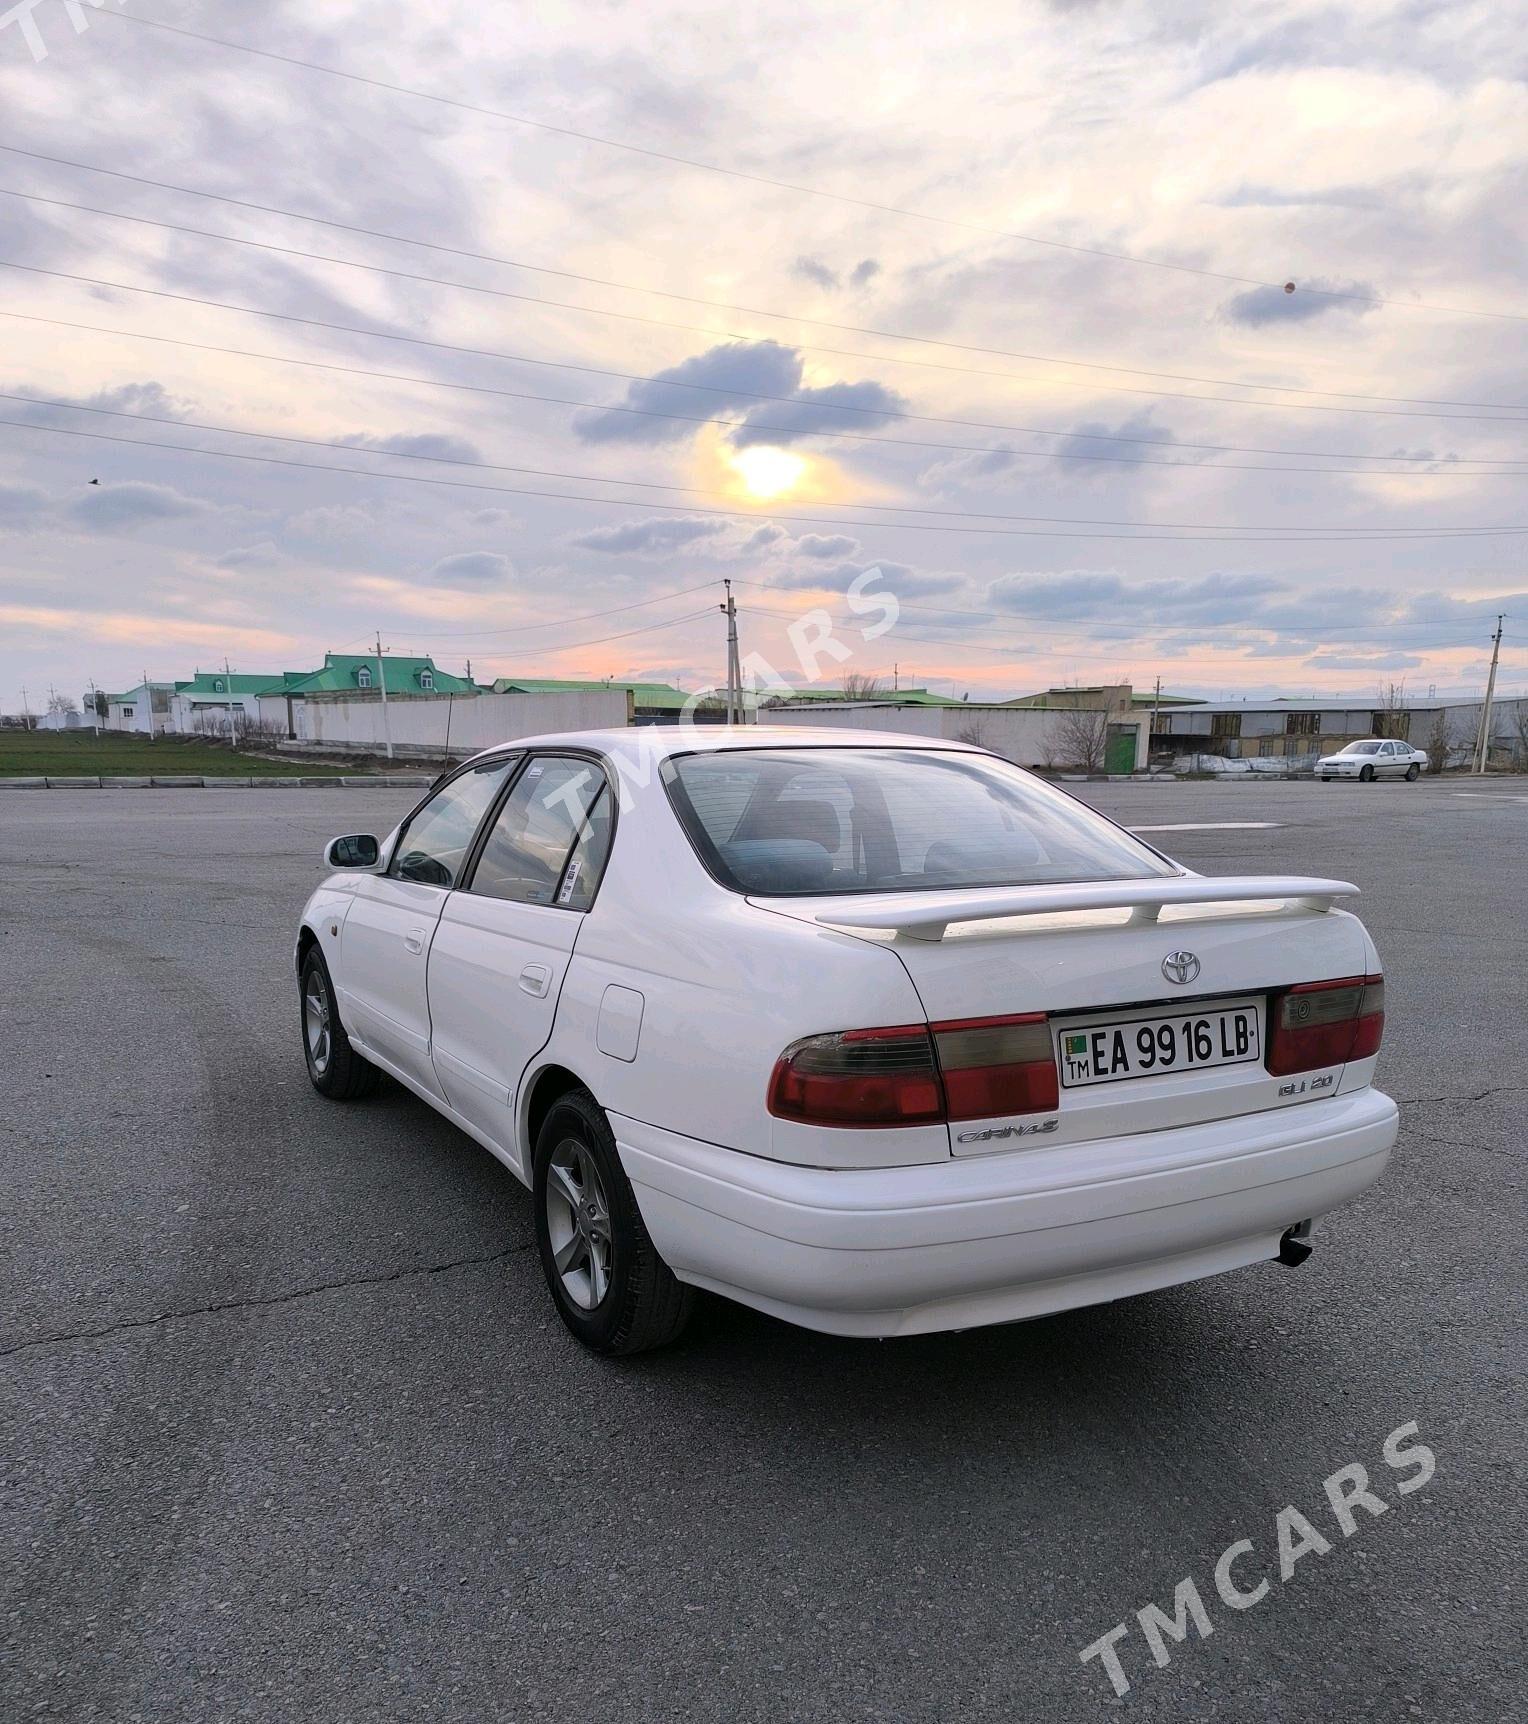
[(64, 703), (1437, 742), (1394, 716), (859, 686), (1078, 740)]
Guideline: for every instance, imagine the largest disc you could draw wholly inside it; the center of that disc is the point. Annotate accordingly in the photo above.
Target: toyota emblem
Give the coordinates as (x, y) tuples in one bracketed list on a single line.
[(1180, 966)]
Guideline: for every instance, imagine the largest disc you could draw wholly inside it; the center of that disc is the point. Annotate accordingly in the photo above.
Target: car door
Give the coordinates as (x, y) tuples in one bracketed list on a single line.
[(386, 934), (1397, 759), (504, 940)]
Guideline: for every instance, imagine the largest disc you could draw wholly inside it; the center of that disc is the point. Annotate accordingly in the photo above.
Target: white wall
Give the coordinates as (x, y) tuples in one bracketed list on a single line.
[(418, 723), (1018, 733), (201, 717)]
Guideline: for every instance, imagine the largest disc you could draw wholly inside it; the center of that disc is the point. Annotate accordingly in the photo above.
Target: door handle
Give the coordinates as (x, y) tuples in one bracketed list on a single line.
[(536, 979), (414, 939)]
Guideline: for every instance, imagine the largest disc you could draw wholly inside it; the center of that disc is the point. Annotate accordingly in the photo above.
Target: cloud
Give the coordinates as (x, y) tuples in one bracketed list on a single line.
[(1085, 594), (825, 545), (432, 445), (21, 503), (659, 533), (762, 538), (264, 555), (899, 578), (735, 375), (471, 568), (1081, 451), (1363, 661), (813, 269), (111, 506), (732, 375), (835, 407), (1263, 305)]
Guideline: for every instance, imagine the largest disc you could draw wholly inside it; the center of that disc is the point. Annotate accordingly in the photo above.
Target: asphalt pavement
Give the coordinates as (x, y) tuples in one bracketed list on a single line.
[(289, 1429)]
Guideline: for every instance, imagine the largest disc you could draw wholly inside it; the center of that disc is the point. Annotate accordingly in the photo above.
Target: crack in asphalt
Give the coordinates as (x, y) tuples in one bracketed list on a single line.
[(251, 1304), (1485, 1095)]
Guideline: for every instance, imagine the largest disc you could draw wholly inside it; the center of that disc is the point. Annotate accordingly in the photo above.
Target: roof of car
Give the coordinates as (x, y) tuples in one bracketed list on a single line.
[(664, 740)]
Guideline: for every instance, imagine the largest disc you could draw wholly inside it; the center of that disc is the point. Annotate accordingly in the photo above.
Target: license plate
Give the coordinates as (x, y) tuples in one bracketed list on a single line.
[(1190, 1040)]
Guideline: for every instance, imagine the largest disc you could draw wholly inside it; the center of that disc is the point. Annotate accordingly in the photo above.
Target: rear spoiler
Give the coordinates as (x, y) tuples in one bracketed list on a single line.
[(926, 915)]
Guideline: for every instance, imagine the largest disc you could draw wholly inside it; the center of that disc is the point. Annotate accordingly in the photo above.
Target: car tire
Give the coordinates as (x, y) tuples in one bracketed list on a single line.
[(1413, 773), (610, 1286), (1366, 775), (334, 1067), (1326, 778)]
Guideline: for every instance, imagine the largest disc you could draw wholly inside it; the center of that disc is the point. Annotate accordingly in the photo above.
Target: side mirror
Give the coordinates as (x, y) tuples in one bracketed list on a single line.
[(359, 850)]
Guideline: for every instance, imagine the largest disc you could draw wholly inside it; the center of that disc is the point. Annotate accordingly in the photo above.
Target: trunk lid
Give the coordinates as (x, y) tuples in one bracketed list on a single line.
[(1094, 954)]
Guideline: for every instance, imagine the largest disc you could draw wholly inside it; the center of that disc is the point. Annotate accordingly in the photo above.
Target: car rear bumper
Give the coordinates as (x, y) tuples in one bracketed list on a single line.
[(993, 1239)]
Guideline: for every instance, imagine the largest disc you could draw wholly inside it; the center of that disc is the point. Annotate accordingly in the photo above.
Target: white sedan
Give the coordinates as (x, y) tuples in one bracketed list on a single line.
[(880, 1037), (1374, 757)]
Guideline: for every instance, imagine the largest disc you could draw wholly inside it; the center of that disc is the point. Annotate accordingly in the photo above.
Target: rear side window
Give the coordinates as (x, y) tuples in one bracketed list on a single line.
[(797, 822), (549, 842)]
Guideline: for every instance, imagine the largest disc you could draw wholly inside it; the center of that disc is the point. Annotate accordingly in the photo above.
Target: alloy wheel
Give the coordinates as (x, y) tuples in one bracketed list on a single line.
[(315, 1014), (578, 1222)]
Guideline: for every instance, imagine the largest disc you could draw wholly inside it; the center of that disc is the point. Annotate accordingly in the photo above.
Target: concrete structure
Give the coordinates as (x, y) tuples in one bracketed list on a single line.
[(425, 728), (1028, 736)]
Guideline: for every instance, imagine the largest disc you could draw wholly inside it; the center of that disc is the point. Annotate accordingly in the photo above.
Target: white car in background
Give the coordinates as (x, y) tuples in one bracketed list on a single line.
[(1375, 757), (880, 1037)]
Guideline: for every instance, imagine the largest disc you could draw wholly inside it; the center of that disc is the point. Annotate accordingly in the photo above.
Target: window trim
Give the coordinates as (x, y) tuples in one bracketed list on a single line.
[(709, 857), (490, 820)]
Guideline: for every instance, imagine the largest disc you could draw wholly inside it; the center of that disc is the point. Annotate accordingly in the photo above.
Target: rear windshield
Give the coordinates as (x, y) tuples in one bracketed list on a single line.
[(783, 822)]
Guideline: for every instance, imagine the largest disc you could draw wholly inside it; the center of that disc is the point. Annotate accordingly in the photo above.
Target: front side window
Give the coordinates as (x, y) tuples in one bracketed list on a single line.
[(435, 842), (549, 842), (829, 820)]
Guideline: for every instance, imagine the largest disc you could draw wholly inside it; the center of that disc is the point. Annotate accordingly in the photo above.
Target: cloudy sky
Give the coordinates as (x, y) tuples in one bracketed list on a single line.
[(574, 385)]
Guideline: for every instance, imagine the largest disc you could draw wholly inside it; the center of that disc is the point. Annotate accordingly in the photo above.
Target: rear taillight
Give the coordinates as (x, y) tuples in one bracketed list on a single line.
[(1326, 1024), (994, 1066), (916, 1074), (859, 1077)]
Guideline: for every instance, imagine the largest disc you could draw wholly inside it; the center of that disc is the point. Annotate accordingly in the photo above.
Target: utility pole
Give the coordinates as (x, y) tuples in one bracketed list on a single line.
[(95, 708), (387, 723), (1483, 742), (734, 666), (26, 711), (1156, 717), (228, 680)]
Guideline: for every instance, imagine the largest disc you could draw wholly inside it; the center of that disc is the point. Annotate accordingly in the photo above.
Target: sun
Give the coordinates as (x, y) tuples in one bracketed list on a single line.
[(767, 472)]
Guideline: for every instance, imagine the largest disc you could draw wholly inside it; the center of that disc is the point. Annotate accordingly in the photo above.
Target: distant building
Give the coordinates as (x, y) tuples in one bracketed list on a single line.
[(219, 702), (1300, 731), (145, 709), (651, 702)]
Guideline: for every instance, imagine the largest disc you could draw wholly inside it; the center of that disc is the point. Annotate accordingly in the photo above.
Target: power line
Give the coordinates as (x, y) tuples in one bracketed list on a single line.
[(632, 287), (874, 412), (682, 490), (1147, 535), (1449, 470), (783, 185)]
